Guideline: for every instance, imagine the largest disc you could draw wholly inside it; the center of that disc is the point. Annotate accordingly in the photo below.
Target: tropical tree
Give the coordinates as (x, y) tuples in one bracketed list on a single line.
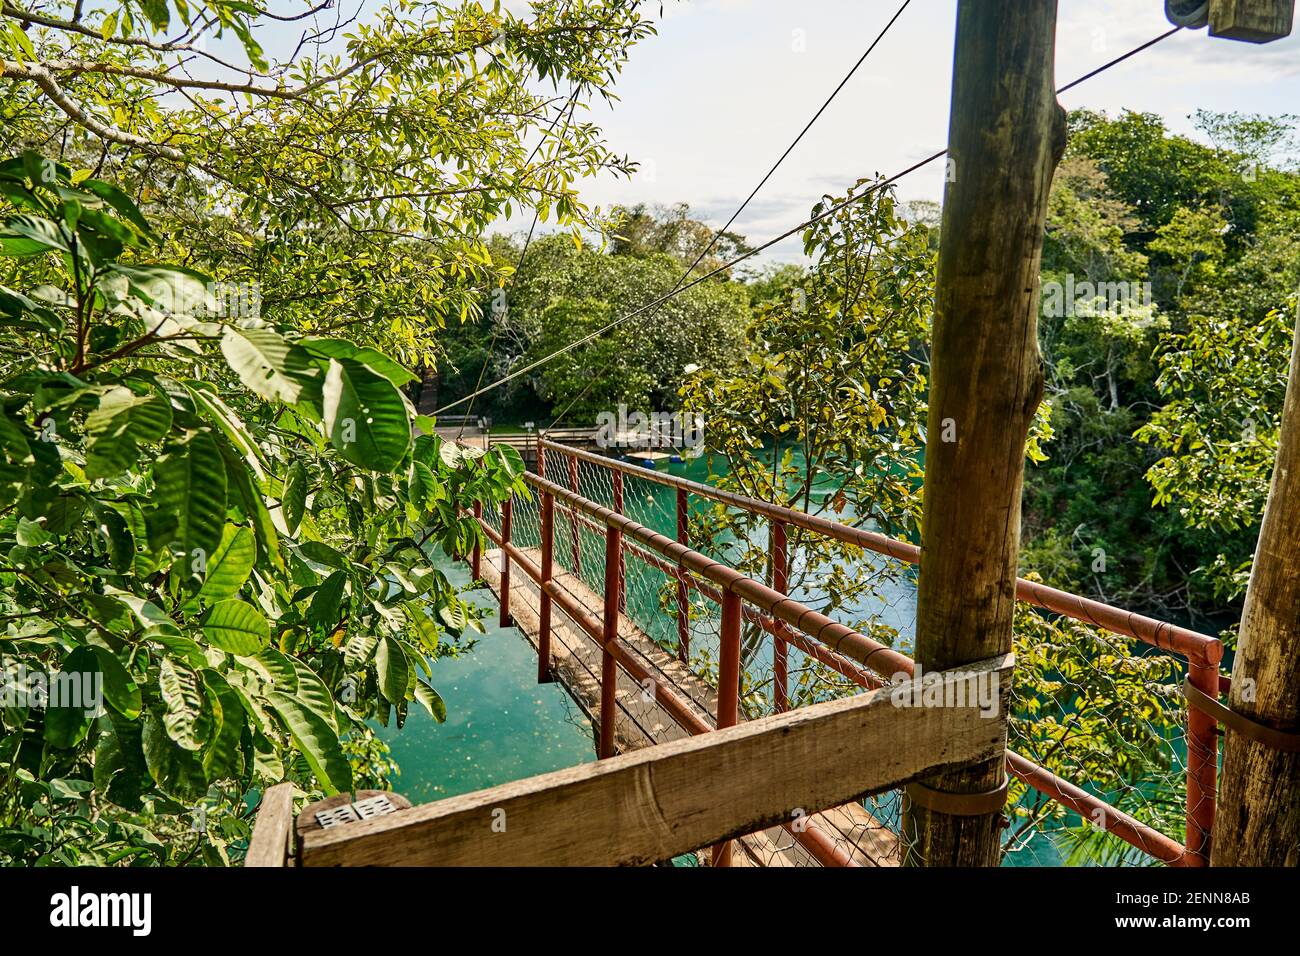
[(353, 175), (214, 538)]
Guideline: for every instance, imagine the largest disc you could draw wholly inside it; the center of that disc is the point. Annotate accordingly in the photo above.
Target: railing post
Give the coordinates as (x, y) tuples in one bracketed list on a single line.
[(608, 668), (544, 614), (541, 456), (1202, 765), (683, 599), (622, 569), (506, 509), (728, 686), (474, 561), (780, 649), (573, 517)]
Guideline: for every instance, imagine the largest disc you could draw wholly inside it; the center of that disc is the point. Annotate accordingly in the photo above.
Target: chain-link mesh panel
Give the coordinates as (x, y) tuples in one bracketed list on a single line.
[(1099, 710)]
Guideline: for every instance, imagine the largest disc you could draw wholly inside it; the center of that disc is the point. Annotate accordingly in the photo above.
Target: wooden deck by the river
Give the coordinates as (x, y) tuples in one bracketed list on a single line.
[(642, 722)]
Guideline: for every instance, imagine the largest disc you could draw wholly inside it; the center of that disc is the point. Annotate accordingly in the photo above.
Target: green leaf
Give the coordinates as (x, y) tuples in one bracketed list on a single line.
[(30, 534), (120, 689), (375, 360), (221, 757), (237, 627), (316, 740), (431, 700), (311, 690), (268, 364), (253, 505), (365, 416), (324, 609), (393, 669), (230, 564), (119, 425), (294, 501), (189, 499), (32, 235), (73, 699), (184, 721), (170, 289), (174, 769)]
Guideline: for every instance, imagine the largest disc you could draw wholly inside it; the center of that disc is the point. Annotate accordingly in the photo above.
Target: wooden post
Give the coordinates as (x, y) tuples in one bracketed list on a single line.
[(780, 650), (506, 509), (608, 666), (1258, 818), (617, 478), (1006, 135), (548, 565), (1256, 21), (683, 598), (272, 828), (728, 686)]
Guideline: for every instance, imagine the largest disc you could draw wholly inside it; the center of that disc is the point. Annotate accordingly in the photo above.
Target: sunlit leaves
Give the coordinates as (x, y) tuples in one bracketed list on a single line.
[(237, 627), (229, 566), (365, 416), (189, 501), (121, 423)]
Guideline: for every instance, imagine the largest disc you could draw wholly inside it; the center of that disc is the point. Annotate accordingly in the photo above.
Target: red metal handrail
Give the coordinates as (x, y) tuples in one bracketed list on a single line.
[(792, 623), (1203, 652)]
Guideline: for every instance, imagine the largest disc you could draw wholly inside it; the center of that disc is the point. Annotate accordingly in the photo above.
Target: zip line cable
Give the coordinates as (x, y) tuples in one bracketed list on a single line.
[(567, 108), (677, 287), (773, 241)]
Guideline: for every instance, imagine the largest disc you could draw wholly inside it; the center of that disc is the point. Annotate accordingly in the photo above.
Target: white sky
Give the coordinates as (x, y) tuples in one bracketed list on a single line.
[(709, 103), (712, 101)]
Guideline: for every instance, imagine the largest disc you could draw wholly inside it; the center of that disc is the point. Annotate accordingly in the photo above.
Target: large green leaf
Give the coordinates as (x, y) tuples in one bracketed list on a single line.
[(230, 564), (120, 689), (119, 425), (189, 499), (171, 289), (294, 501), (343, 349), (365, 416), (237, 627), (174, 769), (268, 364), (73, 699), (221, 757), (313, 692), (393, 668), (432, 701), (253, 505), (324, 608), (31, 235), (185, 720), (316, 740)]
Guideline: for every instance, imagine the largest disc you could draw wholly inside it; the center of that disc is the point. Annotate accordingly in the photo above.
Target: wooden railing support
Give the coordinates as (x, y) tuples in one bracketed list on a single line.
[(728, 687), (608, 664), (506, 509), (272, 836), (683, 598), (544, 611), (573, 518), (780, 650)]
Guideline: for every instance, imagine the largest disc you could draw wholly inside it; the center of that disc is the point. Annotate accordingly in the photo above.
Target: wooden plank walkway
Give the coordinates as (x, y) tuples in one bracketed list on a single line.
[(642, 722)]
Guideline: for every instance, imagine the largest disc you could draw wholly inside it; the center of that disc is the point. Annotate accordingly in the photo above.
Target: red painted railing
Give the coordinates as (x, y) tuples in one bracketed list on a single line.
[(861, 659)]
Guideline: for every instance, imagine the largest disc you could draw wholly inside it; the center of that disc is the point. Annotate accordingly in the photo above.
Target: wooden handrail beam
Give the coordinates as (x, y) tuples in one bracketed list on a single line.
[(660, 802)]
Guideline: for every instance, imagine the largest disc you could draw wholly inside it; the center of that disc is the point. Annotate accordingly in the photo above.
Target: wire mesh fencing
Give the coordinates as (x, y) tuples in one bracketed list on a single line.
[(1097, 727)]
